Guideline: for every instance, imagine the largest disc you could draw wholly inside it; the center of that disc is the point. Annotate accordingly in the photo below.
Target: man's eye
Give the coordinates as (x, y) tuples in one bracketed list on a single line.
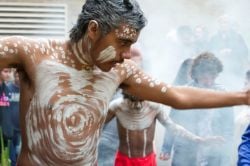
[(125, 43)]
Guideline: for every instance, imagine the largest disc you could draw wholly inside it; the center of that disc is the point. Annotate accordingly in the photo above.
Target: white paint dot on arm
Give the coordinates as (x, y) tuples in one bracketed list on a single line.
[(136, 76), (11, 51), (122, 72), (138, 81), (6, 48), (164, 89), (151, 84), (157, 82)]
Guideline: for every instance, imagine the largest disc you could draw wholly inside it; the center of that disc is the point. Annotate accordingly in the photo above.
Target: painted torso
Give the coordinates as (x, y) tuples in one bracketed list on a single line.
[(67, 112), (136, 127), (63, 98), (63, 103)]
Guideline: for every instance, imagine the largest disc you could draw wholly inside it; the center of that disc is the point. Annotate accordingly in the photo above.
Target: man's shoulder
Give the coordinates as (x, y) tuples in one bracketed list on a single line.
[(117, 102)]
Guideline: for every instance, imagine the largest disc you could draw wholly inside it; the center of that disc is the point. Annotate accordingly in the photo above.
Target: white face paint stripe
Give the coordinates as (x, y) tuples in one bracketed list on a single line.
[(107, 54)]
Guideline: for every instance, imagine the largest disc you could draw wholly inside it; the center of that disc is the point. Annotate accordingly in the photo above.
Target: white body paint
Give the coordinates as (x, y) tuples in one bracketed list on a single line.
[(140, 119), (133, 120), (68, 103), (83, 57), (126, 32), (74, 102)]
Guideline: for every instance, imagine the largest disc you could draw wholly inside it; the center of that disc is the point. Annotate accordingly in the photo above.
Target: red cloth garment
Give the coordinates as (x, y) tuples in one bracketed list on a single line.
[(124, 160)]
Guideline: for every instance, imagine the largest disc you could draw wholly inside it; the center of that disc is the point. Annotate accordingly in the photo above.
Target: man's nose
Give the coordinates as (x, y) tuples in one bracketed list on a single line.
[(126, 55)]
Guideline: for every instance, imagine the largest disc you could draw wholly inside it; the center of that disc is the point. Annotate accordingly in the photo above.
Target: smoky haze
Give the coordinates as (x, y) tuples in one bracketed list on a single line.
[(164, 16), (163, 53)]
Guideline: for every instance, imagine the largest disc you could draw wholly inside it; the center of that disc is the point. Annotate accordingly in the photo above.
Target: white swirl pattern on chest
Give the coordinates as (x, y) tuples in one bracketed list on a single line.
[(67, 129)]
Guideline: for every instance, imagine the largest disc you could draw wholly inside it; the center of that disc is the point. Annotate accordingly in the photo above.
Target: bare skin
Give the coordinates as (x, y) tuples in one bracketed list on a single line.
[(66, 88), (62, 100), (136, 121)]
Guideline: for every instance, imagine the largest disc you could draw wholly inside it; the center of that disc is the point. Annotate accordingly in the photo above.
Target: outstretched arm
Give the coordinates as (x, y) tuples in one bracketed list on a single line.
[(181, 131), (173, 127), (168, 142), (144, 87), (169, 139)]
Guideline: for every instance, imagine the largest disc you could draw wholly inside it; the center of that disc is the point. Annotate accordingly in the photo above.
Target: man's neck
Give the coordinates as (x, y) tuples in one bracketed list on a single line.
[(80, 50)]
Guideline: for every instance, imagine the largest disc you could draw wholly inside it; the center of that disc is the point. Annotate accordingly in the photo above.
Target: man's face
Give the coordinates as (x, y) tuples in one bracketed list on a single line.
[(114, 47), (5, 74), (206, 79)]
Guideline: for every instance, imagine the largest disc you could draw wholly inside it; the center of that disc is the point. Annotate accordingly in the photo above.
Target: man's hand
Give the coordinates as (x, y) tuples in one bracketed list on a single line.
[(164, 156)]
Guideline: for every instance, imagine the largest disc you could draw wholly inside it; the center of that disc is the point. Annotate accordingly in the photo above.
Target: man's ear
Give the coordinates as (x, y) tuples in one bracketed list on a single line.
[(94, 31)]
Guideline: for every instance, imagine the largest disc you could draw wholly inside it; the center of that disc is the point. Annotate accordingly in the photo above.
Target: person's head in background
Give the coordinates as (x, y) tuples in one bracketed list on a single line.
[(226, 25), (107, 29), (185, 34), (183, 75), (200, 33), (205, 69), (5, 75)]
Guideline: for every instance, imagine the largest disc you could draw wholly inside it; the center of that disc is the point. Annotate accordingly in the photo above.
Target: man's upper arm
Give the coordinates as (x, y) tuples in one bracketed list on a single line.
[(162, 115), (140, 84)]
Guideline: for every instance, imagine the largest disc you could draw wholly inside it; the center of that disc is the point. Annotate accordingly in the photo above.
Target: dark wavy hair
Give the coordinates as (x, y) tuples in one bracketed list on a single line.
[(109, 14), (206, 62)]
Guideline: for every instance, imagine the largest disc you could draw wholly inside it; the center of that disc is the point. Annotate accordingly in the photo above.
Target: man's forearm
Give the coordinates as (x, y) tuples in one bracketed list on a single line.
[(189, 97)]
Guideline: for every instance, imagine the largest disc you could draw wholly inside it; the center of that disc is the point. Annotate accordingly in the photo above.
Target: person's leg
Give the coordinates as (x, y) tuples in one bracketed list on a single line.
[(13, 157), (106, 153), (14, 145)]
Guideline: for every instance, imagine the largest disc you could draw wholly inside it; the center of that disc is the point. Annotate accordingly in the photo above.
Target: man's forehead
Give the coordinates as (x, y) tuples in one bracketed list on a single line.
[(127, 32)]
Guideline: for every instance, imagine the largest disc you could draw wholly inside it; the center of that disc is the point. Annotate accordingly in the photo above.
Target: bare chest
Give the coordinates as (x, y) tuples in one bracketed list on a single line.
[(136, 119), (68, 110)]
